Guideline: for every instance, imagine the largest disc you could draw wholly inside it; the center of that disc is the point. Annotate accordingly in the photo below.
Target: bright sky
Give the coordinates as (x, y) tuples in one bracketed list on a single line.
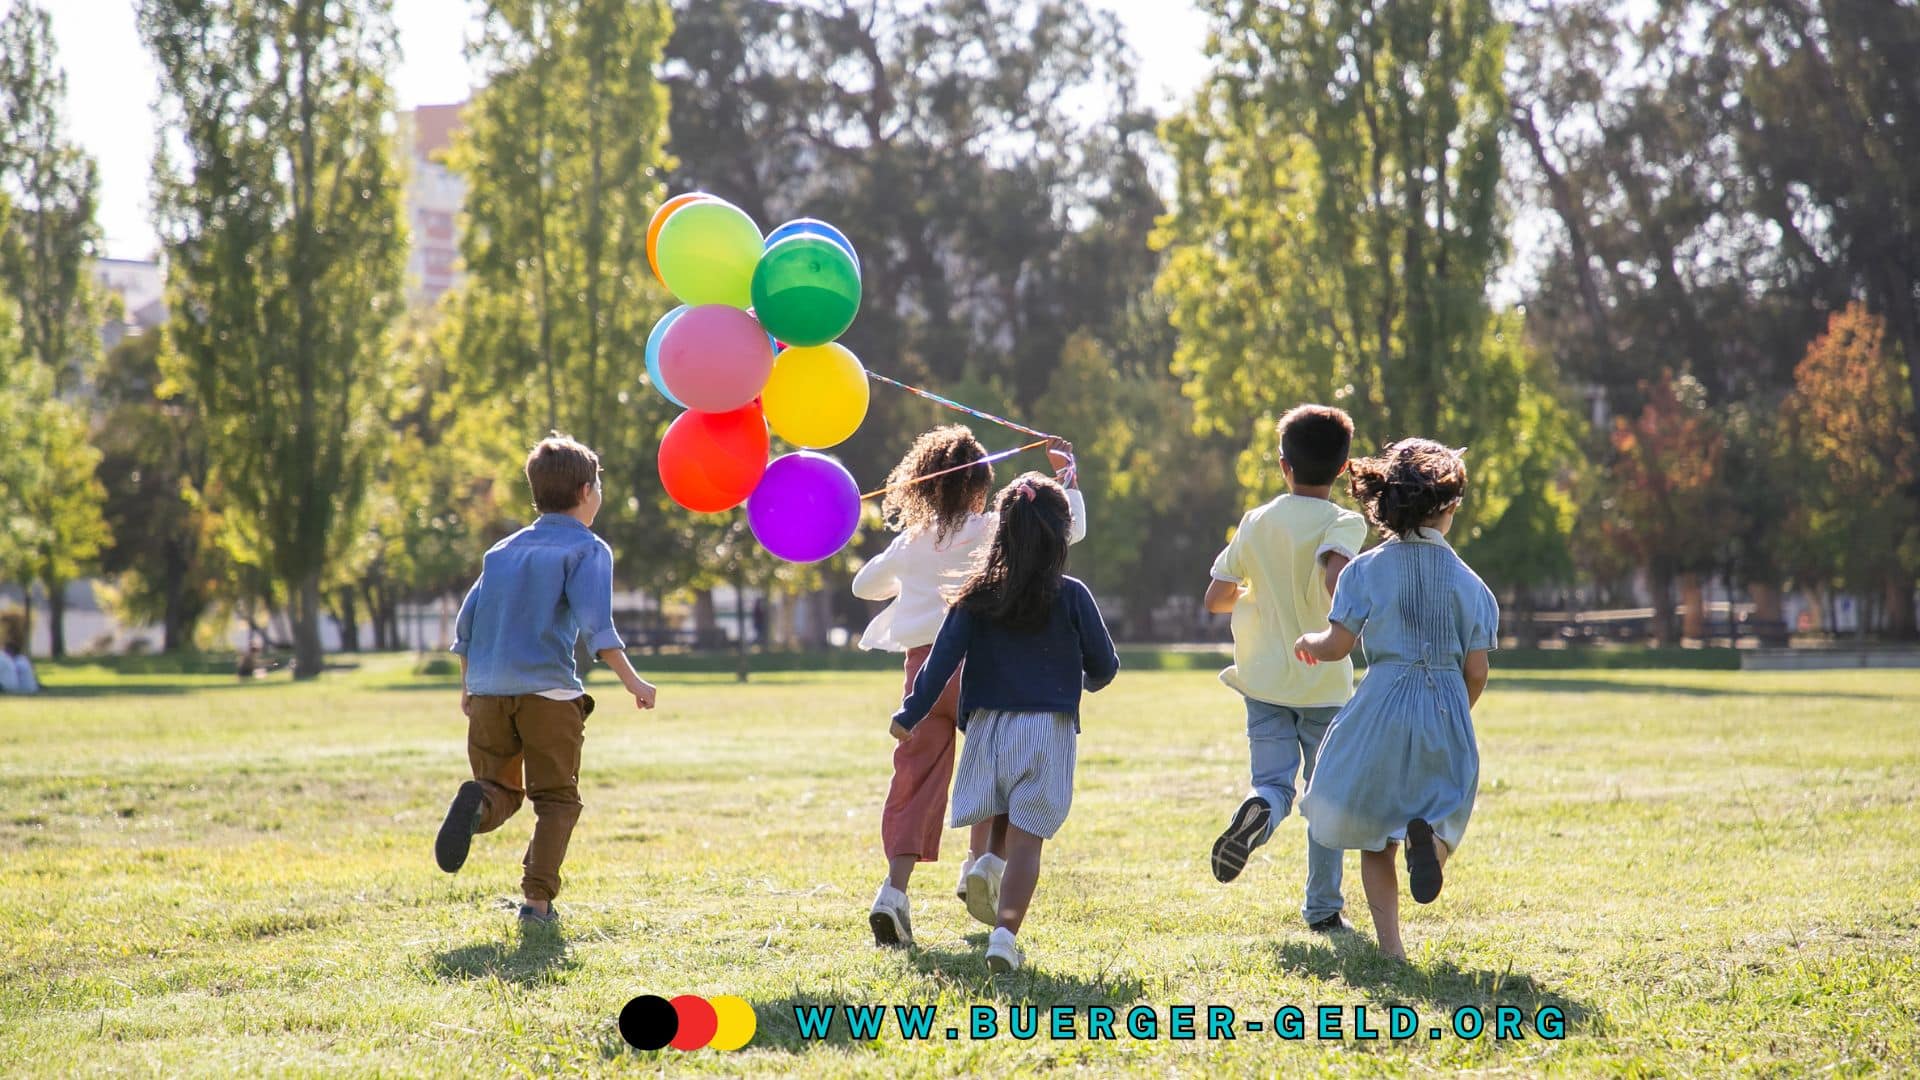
[(111, 84)]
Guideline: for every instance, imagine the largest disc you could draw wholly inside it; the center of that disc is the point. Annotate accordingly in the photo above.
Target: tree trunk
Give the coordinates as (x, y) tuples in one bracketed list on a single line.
[(176, 629), (1523, 621), (1660, 580), (1900, 622), (705, 622), (1693, 619), (348, 614), (304, 598), (740, 627), (57, 619), (1769, 615)]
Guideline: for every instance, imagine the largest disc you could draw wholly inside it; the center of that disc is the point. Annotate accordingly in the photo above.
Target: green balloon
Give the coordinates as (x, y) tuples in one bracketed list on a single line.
[(806, 290), (707, 252)]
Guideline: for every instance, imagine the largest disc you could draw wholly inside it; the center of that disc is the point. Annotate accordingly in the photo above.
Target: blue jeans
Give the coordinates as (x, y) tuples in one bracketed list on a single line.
[(1284, 740)]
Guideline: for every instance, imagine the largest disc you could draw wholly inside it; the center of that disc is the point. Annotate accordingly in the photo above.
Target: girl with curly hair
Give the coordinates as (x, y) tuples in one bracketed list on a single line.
[(944, 526), (1400, 763)]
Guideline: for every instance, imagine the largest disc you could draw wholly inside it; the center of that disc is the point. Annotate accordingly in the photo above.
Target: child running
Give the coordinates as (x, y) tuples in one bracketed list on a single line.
[(538, 592), (1400, 763), (1277, 579), (1031, 638), (943, 527)]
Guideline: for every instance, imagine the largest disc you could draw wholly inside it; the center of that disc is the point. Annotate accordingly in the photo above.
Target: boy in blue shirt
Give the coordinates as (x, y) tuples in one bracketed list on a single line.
[(538, 591)]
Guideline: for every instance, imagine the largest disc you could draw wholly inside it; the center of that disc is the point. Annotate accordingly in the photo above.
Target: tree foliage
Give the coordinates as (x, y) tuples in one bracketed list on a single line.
[(279, 210)]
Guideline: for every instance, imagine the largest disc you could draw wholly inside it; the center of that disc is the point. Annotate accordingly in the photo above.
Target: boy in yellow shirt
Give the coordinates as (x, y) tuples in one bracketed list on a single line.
[(1276, 577)]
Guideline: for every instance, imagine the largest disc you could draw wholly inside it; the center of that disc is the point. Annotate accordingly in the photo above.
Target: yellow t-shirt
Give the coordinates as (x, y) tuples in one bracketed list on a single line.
[(1275, 557)]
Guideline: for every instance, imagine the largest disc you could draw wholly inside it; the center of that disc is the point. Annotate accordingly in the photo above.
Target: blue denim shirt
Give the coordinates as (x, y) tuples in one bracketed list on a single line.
[(538, 591)]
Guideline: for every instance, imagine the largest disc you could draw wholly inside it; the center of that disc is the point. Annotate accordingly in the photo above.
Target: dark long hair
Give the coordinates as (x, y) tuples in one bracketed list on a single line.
[(943, 503), (1408, 484), (1015, 585)]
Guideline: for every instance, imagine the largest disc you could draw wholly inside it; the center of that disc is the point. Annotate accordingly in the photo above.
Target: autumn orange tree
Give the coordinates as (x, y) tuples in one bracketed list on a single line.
[(1663, 507), (1850, 420)]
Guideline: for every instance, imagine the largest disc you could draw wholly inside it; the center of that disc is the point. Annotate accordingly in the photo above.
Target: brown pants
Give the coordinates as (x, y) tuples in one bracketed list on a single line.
[(916, 808), (529, 746)]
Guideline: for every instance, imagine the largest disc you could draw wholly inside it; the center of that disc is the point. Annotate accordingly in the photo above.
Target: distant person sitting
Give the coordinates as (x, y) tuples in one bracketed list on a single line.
[(249, 665), (16, 671)]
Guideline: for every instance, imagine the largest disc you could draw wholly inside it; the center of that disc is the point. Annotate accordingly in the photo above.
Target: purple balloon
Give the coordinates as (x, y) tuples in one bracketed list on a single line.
[(806, 507)]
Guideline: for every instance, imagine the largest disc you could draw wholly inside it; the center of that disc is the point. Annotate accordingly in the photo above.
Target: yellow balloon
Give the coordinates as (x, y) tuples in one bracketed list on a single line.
[(817, 395), (736, 1023)]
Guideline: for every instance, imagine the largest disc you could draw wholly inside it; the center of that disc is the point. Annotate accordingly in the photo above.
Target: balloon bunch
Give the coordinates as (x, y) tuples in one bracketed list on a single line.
[(751, 348)]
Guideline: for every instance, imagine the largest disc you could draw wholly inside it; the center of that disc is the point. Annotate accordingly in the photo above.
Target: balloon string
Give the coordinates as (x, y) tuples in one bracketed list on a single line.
[(989, 459), (957, 407)]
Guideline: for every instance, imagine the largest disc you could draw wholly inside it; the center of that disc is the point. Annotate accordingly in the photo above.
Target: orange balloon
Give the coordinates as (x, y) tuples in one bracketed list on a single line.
[(659, 220)]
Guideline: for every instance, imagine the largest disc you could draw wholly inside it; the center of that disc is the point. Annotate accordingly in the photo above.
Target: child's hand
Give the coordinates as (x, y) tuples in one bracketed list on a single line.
[(643, 694), (894, 729), (1060, 456), (1303, 650)]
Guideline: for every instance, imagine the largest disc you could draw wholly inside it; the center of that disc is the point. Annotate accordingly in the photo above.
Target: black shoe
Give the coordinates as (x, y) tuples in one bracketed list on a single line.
[(1335, 923), (1231, 850), (1423, 862), (456, 833)]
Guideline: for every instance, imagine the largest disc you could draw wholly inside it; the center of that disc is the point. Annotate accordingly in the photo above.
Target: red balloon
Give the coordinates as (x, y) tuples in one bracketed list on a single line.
[(711, 462), (716, 358)]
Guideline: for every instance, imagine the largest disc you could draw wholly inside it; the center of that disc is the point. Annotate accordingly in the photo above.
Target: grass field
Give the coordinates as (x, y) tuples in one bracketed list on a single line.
[(1706, 872)]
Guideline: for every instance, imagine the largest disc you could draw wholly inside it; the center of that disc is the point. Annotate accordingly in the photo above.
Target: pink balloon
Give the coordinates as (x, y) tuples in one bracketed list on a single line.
[(716, 358)]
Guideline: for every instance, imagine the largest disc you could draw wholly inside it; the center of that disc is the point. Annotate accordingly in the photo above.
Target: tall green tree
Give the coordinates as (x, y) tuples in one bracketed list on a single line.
[(44, 259), (563, 154), (279, 208)]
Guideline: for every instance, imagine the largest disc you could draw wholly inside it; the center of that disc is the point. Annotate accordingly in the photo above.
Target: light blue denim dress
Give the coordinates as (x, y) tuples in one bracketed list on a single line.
[(1403, 747)]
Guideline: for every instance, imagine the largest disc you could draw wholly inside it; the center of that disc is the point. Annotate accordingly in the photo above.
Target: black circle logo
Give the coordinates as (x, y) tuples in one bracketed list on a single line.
[(649, 1022)]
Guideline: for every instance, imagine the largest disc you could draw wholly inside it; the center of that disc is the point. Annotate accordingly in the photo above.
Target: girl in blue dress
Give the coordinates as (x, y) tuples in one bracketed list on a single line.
[(1399, 764)]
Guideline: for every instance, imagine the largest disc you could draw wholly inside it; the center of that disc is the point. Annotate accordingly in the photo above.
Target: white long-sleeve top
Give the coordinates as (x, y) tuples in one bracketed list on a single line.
[(914, 571)]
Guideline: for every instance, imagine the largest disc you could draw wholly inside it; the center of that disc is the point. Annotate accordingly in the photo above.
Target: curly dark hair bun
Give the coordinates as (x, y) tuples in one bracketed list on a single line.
[(1409, 484)]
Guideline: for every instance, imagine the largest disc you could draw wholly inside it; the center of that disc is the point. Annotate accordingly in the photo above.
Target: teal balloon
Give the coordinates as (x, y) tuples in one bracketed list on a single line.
[(653, 353), (806, 290)]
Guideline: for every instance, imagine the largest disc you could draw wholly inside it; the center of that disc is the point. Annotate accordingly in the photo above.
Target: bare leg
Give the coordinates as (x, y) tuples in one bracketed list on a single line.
[(899, 869), (1022, 875), (996, 834), (979, 839), (1441, 850), (1382, 884)]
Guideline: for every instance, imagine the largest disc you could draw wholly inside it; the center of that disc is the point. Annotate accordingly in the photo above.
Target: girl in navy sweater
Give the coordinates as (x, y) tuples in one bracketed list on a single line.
[(1031, 638)]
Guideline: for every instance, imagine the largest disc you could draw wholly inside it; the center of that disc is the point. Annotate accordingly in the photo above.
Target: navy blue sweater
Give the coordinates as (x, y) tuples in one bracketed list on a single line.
[(1018, 670)]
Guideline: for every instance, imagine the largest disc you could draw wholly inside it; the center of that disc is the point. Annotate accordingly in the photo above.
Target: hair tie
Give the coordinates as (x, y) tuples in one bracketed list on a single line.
[(1025, 488)]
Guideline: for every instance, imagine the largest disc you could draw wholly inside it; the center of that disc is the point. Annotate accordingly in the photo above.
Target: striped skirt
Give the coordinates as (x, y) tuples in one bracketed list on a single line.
[(1019, 764)]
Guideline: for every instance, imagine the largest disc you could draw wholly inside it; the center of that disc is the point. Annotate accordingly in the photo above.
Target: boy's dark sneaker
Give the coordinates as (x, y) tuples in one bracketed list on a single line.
[(1230, 852), (1423, 862), (1335, 923), (456, 833), (531, 917)]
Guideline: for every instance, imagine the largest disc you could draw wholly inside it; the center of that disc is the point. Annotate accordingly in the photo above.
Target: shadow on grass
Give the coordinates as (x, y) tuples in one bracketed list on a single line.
[(1439, 986), (1524, 682), (533, 959)]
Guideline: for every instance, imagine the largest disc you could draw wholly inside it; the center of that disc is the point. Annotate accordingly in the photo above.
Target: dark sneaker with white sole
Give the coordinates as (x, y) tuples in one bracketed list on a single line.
[(1423, 862), (1230, 852), (456, 833)]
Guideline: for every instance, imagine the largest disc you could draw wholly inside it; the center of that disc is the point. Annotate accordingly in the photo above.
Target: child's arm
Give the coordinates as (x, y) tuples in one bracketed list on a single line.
[(879, 579), (1221, 596), (589, 592), (1097, 656), (949, 648), (1334, 562), (1332, 644), (643, 691), (1475, 670)]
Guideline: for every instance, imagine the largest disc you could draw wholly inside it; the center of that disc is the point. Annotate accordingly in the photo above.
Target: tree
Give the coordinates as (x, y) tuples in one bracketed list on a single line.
[(562, 154), (280, 216), (1664, 506), (44, 255), (1850, 420)]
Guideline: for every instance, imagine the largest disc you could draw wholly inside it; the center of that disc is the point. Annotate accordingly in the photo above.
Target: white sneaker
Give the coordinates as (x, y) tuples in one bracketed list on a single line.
[(983, 888), (1003, 953), (891, 919), (960, 887)]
